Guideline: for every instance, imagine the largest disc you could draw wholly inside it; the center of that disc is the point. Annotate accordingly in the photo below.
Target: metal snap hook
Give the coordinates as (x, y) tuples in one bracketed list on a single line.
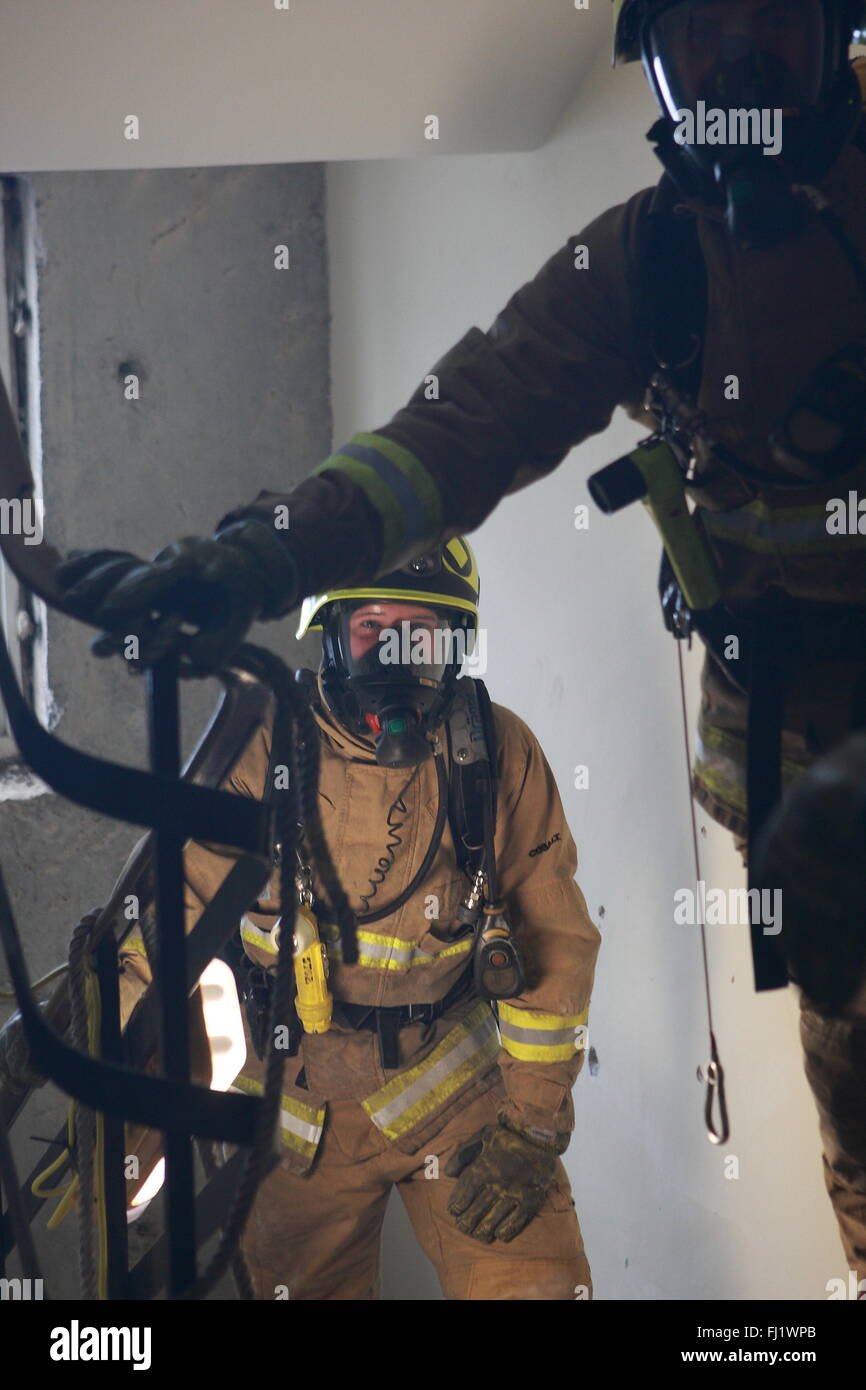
[(716, 1093)]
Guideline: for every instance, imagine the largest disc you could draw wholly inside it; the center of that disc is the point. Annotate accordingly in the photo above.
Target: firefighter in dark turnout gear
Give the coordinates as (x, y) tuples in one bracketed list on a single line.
[(777, 229)]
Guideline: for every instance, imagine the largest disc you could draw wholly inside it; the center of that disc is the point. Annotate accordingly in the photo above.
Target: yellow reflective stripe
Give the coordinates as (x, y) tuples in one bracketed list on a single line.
[(133, 945), (378, 952), (720, 763), (410, 595), (416, 472), (300, 1125), (255, 936), (375, 951), (465, 1052), (778, 530), (539, 1037), (397, 484)]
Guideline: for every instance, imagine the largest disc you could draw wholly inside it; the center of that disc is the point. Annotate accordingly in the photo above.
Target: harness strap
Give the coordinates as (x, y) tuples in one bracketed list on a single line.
[(773, 640), (474, 777), (384, 1020), (670, 287), (764, 779)]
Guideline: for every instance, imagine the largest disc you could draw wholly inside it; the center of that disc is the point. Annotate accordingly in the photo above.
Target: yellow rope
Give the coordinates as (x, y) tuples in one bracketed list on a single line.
[(70, 1189), (94, 1015)]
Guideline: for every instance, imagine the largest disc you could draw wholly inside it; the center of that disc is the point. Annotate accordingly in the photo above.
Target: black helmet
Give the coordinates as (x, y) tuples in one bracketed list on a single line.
[(748, 61)]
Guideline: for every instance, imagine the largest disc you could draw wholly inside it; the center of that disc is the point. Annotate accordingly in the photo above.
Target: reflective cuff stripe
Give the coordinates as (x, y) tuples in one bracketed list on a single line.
[(465, 1052), (300, 1125), (255, 936), (378, 952), (778, 530), (538, 1037), (397, 484), (720, 764)]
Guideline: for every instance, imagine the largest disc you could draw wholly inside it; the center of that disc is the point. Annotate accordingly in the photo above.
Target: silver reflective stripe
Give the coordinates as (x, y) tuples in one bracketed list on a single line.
[(309, 1132), (761, 528), (378, 952), (746, 523), (301, 1125), (434, 1077), (546, 1037)]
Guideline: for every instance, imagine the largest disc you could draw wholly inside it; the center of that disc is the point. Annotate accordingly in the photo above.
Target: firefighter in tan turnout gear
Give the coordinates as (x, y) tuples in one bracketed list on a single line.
[(413, 1085), (726, 308)]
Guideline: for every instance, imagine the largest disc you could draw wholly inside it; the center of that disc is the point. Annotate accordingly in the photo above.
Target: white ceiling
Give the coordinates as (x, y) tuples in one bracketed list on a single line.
[(242, 82)]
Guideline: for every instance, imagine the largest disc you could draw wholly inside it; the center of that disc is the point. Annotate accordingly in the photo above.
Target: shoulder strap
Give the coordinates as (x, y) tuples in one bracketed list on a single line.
[(474, 769), (671, 286)]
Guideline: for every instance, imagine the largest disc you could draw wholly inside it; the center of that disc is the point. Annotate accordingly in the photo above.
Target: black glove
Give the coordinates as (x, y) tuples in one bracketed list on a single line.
[(505, 1179), (197, 597)]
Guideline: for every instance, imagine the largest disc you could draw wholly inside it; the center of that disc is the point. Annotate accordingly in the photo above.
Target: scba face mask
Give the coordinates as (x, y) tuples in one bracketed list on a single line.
[(732, 54), (756, 95), (390, 669)]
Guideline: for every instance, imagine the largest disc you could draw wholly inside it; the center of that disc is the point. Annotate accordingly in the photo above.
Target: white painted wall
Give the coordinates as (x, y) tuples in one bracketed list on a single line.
[(420, 249), (217, 82)]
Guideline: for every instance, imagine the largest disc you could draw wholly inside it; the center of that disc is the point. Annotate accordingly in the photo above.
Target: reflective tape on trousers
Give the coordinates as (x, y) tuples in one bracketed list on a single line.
[(538, 1037), (720, 764), (466, 1052), (300, 1125)]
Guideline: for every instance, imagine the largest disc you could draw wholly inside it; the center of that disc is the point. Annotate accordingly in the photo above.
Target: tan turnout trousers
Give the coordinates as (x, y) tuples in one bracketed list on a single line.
[(318, 1236)]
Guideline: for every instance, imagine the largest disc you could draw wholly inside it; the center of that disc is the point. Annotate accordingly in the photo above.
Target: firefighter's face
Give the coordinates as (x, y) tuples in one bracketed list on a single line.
[(733, 52), (375, 617)]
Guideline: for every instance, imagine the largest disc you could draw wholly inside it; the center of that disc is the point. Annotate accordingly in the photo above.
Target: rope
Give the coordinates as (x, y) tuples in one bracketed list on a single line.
[(240, 1268), (6, 993), (715, 1073), (85, 1119)]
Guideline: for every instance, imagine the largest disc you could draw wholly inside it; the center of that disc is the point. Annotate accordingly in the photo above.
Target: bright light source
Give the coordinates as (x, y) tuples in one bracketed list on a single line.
[(228, 1050), (224, 1024)]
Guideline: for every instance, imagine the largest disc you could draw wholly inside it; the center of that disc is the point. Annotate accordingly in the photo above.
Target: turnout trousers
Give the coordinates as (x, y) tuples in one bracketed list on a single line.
[(318, 1236)]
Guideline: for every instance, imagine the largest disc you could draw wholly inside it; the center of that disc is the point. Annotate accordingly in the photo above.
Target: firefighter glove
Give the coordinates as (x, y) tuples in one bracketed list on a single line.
[(504, 1179), (197, 597)]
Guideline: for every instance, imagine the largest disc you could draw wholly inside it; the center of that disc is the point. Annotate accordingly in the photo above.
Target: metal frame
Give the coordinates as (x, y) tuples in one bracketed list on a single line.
[(176, 810)]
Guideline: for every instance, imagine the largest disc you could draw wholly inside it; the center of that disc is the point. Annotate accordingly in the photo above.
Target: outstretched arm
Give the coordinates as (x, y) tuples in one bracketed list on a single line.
[(498, 411)]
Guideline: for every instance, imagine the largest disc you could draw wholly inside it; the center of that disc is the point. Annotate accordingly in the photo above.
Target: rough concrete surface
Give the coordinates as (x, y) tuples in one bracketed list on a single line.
[(171, 276)]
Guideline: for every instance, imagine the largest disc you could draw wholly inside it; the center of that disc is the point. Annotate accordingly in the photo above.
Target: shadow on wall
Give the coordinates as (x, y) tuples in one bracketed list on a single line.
[(407, 1274)]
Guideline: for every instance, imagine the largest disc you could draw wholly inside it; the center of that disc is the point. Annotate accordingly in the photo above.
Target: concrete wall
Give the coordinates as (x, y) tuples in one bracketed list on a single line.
[(169, 275), (419, 250)]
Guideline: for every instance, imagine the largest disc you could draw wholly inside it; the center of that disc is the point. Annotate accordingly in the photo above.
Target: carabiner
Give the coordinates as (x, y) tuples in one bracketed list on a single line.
[(716, 1087)]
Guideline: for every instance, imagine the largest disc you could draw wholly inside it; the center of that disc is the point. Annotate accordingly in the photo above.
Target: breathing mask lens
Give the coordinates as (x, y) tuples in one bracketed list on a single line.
[(399, 661), (734, 54), (406, 648)]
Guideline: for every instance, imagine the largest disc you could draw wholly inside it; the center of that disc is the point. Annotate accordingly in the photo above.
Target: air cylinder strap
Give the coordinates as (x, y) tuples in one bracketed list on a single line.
[(767, 661)]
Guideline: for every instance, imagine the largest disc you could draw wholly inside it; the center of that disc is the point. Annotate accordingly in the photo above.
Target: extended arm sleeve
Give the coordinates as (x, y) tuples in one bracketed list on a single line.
[(544, 1030), (498, 411)]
